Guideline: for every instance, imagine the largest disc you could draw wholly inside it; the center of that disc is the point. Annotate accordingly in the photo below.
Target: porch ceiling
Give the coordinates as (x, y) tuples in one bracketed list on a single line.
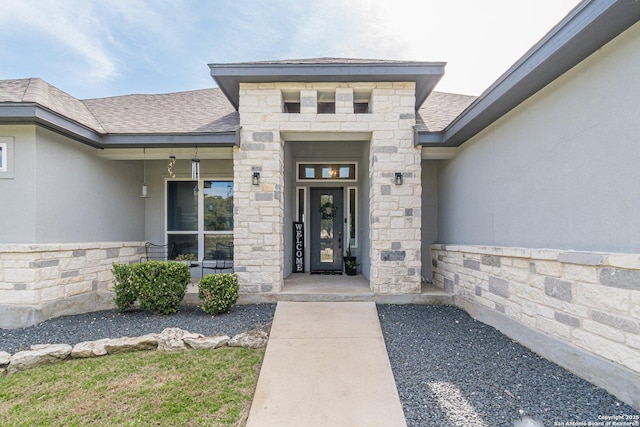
[(326, 136), (204, 153)]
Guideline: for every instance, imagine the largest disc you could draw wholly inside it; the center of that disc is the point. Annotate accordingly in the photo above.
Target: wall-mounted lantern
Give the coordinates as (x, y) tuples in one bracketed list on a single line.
[(255, 179), (399, 178)]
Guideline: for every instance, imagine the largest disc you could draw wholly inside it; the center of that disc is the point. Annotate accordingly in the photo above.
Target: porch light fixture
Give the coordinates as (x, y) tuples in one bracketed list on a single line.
[(399, 178), (195, 166), (255, 179), (144, 193)]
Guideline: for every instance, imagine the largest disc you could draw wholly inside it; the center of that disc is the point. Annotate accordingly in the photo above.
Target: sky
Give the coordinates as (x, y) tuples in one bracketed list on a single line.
[(100, 48)]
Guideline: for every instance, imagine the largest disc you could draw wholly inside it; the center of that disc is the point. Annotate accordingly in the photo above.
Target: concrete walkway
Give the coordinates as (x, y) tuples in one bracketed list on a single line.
[(326, 364)]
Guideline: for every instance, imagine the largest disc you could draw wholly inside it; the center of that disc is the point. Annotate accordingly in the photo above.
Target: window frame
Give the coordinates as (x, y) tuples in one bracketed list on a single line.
[(352, 216), (328, 163), (4, 157), (200, 232)]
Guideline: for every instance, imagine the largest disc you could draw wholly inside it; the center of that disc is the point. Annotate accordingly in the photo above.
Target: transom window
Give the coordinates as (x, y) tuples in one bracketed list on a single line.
[(199, 216), (327, 171)]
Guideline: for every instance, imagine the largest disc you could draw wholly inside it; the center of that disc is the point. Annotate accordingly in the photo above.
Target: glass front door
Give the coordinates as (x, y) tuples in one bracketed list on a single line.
[(326, 229)]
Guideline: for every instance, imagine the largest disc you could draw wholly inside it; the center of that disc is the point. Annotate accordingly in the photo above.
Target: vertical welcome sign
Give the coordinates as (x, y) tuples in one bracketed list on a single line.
[(298, 247)]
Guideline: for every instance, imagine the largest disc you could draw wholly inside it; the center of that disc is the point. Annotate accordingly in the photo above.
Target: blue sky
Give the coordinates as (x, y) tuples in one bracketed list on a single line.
[(98, 48)]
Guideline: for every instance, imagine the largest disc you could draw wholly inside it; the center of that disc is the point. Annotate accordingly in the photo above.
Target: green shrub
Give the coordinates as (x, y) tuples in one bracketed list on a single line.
[(218, 292), (126, 293), (159, 286)]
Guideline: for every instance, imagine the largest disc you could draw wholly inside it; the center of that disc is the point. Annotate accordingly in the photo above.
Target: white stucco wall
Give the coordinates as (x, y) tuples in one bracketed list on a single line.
[(559, 171), (83, 198)]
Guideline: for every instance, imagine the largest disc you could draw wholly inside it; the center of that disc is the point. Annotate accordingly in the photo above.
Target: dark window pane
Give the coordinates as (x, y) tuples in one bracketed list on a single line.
[(300, 204), (182, 244), (182, 206), (326, 107), (361, 107), (352, 216), (291, 107), (211, 241)]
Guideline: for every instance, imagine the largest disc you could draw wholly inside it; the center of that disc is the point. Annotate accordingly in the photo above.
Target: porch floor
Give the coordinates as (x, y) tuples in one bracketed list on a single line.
[(333, 288)]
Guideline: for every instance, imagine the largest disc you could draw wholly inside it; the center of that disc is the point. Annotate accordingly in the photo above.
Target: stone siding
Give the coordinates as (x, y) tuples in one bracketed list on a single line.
[(36, 277), (585, 299), (396, 209)]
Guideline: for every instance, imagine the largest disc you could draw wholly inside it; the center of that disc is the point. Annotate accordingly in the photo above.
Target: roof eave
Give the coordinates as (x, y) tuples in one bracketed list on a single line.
[(161, 140), (229, 76), (31, 113), (588, 27)]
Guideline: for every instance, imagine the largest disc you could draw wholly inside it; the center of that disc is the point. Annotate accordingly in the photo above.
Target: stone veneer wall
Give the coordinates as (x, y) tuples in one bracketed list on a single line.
[(396, 210), (578, 309), (41, 281)]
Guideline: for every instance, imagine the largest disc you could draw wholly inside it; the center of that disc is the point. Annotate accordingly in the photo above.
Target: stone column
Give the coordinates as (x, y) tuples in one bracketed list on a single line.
[(395, 209), (259, 209)]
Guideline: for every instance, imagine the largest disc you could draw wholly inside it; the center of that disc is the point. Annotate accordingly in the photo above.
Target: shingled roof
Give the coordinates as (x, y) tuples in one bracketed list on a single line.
[(197, 111), (37, 91), (206, 110), (439, 109)]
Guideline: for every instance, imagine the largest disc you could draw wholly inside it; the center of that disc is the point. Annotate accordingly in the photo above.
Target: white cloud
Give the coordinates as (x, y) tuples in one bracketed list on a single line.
[(72, 24)]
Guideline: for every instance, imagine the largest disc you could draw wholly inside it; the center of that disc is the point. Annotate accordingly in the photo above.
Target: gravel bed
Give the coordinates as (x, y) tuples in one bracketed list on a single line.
[(451, 370), (111, 324)]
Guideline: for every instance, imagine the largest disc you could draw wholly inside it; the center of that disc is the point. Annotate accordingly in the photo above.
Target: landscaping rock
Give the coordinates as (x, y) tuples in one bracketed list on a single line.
[(41, 354), (171, 339), (4, 358), (207, 342), (128, 344), (251, 339), (89, 349)]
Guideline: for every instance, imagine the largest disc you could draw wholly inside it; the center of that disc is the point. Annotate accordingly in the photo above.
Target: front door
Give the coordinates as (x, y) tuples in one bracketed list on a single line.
[(326, 218)]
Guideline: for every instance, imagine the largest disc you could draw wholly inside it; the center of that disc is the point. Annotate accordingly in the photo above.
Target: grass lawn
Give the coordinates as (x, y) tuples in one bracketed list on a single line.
[(189, 388)]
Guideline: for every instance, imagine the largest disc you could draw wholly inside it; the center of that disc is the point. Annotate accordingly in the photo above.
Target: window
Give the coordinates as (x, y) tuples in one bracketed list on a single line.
[(302, 191), (198, 220), (361, 101), (3, 157), (352, 216), (326, 102), (327, 171), (291, 101), (218, 215)]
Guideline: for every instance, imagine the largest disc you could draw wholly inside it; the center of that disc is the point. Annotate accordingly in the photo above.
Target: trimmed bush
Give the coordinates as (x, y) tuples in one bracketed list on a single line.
[(126, 293), (159, 286), (218, 292)]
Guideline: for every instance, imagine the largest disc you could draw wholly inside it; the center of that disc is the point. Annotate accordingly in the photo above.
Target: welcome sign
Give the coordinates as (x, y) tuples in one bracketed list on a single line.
[(298, 247)]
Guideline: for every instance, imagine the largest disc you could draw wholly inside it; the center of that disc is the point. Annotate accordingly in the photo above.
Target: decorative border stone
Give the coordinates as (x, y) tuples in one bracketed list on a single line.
[(170, 339)]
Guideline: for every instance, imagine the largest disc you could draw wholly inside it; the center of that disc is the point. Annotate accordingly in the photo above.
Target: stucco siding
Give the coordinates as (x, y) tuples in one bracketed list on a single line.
[(560, 170), (83, 198), (17, 194)]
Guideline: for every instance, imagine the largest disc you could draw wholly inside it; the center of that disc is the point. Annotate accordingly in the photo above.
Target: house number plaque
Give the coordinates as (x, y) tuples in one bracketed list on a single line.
[(298, 247)]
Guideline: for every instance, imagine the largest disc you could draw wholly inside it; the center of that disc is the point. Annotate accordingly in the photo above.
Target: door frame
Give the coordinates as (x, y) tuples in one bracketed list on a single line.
[(315, 266)]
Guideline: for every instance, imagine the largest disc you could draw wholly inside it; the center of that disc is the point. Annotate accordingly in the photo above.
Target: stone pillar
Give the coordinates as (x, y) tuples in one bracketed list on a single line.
[(344, 100), (309, 101), (395, 209), (259, 209)]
